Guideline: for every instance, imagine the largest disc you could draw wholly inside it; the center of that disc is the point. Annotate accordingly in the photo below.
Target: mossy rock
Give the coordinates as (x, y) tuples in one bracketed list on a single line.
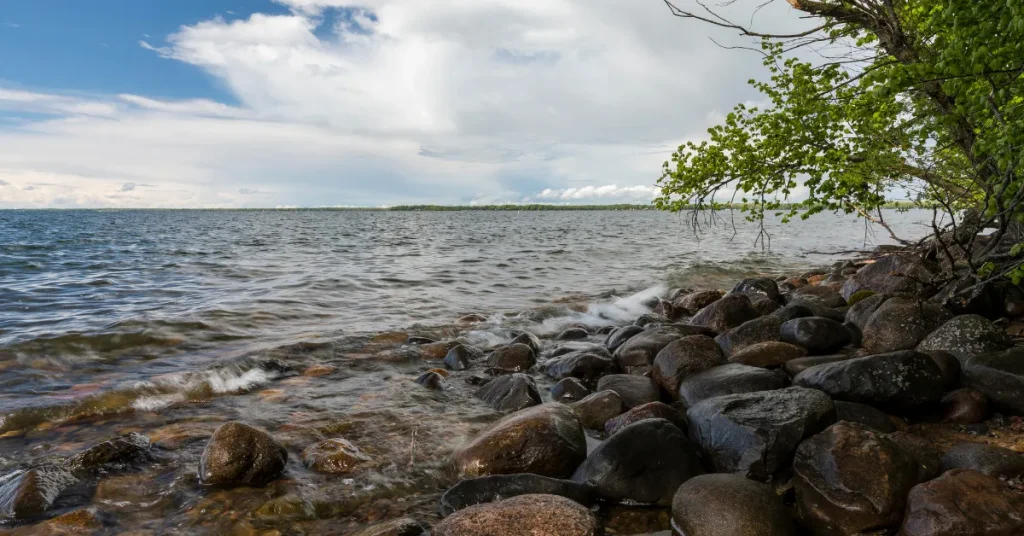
[(860, 295)]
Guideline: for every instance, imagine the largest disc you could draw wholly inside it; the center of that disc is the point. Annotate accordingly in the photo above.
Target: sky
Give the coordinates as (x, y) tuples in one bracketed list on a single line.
[(281, 103)]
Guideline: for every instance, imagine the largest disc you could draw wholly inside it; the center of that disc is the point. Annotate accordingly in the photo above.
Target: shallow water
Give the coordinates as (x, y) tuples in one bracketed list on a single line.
[(173, 322)]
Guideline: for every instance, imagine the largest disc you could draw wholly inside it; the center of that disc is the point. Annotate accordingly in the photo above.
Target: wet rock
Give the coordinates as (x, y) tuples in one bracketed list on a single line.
[(756, 434), (963, 503), (585, 365), (818, 308), (789, 312), (727, 380), (966, 336), (948, 364), (595, 410), (546, 440), (850, 479), (569, 390), (668, 311), (768, 354), (684, 358), (723, 504), (419, 340), (800, 364), (758, 286), (645, 463), (865, 415), (83, 521), (493, 488), (765, 307), (461, 357), (859, 313), (470, 319), (650, 410), (964, 406), (725, 314), (572, 334), (896, 381), (901, 324), (923, 452), (536, 515), (988, 459), (404, 526), (239, 454), (860, 295), (333, 456), (1000, 377), (29, 494), (512, 358), (894, 273), (511, 392), (528, 339), (640, 350), (749, 333), (436, 350), (431, 380), (695, 301), (633, 390), (818, 335), (619, 337), (570, 347), (115, 454), (827, 296)]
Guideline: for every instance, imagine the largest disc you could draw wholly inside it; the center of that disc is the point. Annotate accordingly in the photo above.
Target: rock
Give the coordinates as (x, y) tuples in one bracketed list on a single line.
[(894, 273), (964, 406), (768, 354), (586, 365), (668, 311), (966, 336), (419, 340), (859, 313), (725, 314), (511, 392), (619, 337), (115, 454), (650, 319), (650, 410), (764, 306), (396, 527), (756, 286), (333, 456), (431, 380), (722, 504), (818, 335), (901, 324), (727, 380), (922, 451), (528, 339), (790, 312), (749, 333), (948, 364), (640, 350), (547, 440), (460, 358), (239, 454), (860, 295), (1000, 377), (570, 347), (569, 390), (864, 415), (898, 381), (823, 294), (817, 308), (597, 409), (82, 521), (643, 463), (572, 334), (26, 495), (800, 364), (850, 479), (512, 358), (756, 434), (695, 301), (493, 488), (534, 515), (684, 358), (963, 503), (988, 459), (633, 390)]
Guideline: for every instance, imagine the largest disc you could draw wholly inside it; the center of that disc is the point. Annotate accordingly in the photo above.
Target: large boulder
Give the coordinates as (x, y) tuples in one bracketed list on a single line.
[(850, 479), (585, 365), (728, 380), (966, 336), (633, 390), (749, 333), (512, 358), (756, 434), (536, 515), (511, 392), (723, 504), (639, 351), (643, 463), (859, 313), (768, 354), (894, 273), (650, 410), (619, 337), (684, 358), (988, 459), (239, 454), (26, 495), (901, 324), (1000, 377), (963, 503), (492, 488), (897, 381), (547, 440), (818, 335), (758, 286), (725, 314), (597, 409)]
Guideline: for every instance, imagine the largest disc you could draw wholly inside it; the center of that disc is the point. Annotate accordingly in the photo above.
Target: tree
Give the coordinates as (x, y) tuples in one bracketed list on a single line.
[(924, 95)]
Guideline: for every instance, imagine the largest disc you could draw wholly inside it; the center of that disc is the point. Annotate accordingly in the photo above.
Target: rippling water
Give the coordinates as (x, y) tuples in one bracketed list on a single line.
[(171, 322)]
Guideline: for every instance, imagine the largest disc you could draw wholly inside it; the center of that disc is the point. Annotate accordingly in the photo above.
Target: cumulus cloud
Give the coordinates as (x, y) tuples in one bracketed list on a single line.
[(602, 193)]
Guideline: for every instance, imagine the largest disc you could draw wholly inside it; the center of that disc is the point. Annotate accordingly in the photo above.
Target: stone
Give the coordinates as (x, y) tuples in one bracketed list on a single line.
[(894, 273), (964, 406), (493, 488), (512, 358), (864, 415), (896, 381), (818, 335), (585, 365), (569, 390), (417, 340), (695, 301), (511, 392), (115, 454), (619, 337), (667, 310), (764, 306), (725, 314), (850, 479), (572, 334), (684, 358), (948, 364), (640, 350), (768, 354), (817, 307), (529, 339), (755, 286), (239, 454), (533, 515), (431, 380), (923, 452), (644, 463), (963, 503), (26, 495), (333, 456), (729, 505), (633, 390), (800, 364), (597, 409), (789, 312), (547, 440), (966, 336), (860, 295), (461, 357), (749, 333), (569, 347), (403, 526), (901, 324), (826, 295), (859, 313), (988, 459), (729, 379), (650, 410), (1000, 377), (756, 434)]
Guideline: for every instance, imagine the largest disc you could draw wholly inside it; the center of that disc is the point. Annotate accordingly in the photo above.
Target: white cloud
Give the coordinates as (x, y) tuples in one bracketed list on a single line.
[(603, 193)]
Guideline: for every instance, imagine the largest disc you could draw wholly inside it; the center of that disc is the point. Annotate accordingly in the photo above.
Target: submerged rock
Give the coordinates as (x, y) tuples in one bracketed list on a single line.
[(966, 336), (651, 410), (114, 454), (597, 409), (898, 381), (963, 503), (572, 334), (487, 489), (727, 380), (512, 358), (535, 515), (817, 335), (333, 456), (511, 392), (461, 357), (1000, 377), (729, 505), (26, 495), (633, 390), (569, 390), (767, 354), (725, 314), (431, 380), (684, 358), (988, 459), (396, 527), (239, 454)]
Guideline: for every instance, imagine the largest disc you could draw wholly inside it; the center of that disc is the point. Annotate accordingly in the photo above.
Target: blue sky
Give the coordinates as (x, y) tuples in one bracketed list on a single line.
[(232, 103)]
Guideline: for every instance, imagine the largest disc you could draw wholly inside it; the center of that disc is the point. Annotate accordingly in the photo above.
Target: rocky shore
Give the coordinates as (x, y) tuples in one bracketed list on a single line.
[(855, 399)]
